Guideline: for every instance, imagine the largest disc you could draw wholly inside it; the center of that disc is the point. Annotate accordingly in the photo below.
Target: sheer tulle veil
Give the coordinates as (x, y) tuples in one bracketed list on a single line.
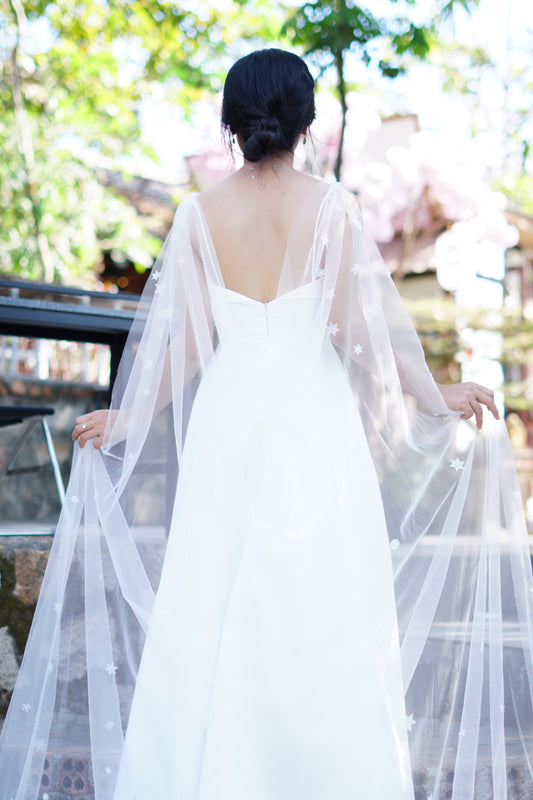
[(463, 583)]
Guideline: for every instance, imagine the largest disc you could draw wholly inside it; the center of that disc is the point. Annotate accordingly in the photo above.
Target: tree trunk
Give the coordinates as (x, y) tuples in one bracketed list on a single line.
[(26, 146), (341, 88)]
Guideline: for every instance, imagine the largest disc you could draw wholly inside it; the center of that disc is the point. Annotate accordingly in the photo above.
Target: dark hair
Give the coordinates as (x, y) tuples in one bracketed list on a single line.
[(268, 100)]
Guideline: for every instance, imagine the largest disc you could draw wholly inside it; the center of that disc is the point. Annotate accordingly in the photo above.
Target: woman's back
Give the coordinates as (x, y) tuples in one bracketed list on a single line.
[(250, 219)]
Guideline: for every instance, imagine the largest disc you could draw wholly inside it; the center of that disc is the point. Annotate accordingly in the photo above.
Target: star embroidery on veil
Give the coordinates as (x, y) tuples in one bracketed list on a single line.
[(180, 260), (395, 543), (148, 364), (324, 239), (57, 607), (40, 745), (50, 668), (165, 314), (109, 725), (410, 721), (355, 269), (330, 295), (321, 273), (111, 668), (155, 276), (74, 499), (26, 707), (332, 329), (462, 733), (107, 770), (518, 495), (357, 349), (457, 464)]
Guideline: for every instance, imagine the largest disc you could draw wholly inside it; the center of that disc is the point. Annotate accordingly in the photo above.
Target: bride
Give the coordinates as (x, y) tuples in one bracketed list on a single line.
[(288, 565)]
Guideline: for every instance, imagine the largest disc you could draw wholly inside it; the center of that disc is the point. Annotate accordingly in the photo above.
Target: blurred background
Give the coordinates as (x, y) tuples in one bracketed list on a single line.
[(110, 115)]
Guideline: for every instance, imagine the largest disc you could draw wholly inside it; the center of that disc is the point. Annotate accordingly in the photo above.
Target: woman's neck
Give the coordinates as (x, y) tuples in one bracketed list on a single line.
[(270, 167)]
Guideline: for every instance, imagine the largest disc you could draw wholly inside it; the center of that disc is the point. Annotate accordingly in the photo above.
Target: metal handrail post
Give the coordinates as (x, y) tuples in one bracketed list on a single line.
[(53, 459)]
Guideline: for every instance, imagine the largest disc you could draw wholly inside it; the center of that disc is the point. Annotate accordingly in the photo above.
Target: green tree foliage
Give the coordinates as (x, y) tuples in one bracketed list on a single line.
[(73, 75), (62, 104), (328, 31)]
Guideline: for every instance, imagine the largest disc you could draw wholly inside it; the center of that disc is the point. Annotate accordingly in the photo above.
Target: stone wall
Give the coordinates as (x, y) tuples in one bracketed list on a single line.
[(23, 561), (30, 500)]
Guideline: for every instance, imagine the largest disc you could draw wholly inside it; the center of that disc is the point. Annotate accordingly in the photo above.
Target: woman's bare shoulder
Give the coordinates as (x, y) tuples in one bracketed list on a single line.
[(235, 188)]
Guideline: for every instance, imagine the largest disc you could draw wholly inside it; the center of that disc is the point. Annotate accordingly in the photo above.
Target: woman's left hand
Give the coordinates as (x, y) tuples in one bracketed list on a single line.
[(91, 427), (469, 398)]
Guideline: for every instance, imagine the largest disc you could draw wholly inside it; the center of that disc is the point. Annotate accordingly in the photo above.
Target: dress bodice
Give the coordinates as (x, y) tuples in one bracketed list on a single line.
[(238, 316)]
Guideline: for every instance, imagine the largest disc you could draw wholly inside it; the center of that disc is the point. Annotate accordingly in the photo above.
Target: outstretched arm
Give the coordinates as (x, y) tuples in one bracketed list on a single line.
[(359, 258)]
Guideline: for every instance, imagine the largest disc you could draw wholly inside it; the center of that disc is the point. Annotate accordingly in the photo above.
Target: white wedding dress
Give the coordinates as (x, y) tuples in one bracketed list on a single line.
[(291, 573), (264, 676)]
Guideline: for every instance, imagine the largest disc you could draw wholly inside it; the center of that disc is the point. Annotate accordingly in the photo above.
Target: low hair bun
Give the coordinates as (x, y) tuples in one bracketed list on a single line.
[(263, 138), (268, 101)]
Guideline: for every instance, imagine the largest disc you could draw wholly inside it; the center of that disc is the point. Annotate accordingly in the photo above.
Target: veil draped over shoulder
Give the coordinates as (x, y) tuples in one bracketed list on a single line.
[(459, 548)]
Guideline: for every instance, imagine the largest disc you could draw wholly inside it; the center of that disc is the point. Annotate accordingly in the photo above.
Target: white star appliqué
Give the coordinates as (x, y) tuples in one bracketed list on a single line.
[(410, 721), (148, 364), (321, 273), (358, 349), (395, 543), (109, 725), (40, 745), (330, 295), (457, 464), (462, 733), (355, 269), (165, 314), (110, 668), (324, 239), (26, 707), (57, 607), (332, 329), (155, 276), (180, 260), (74, 499), (107, 770)]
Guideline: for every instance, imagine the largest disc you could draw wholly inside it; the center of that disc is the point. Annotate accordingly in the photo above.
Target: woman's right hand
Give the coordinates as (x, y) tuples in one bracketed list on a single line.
[(91, 427)]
